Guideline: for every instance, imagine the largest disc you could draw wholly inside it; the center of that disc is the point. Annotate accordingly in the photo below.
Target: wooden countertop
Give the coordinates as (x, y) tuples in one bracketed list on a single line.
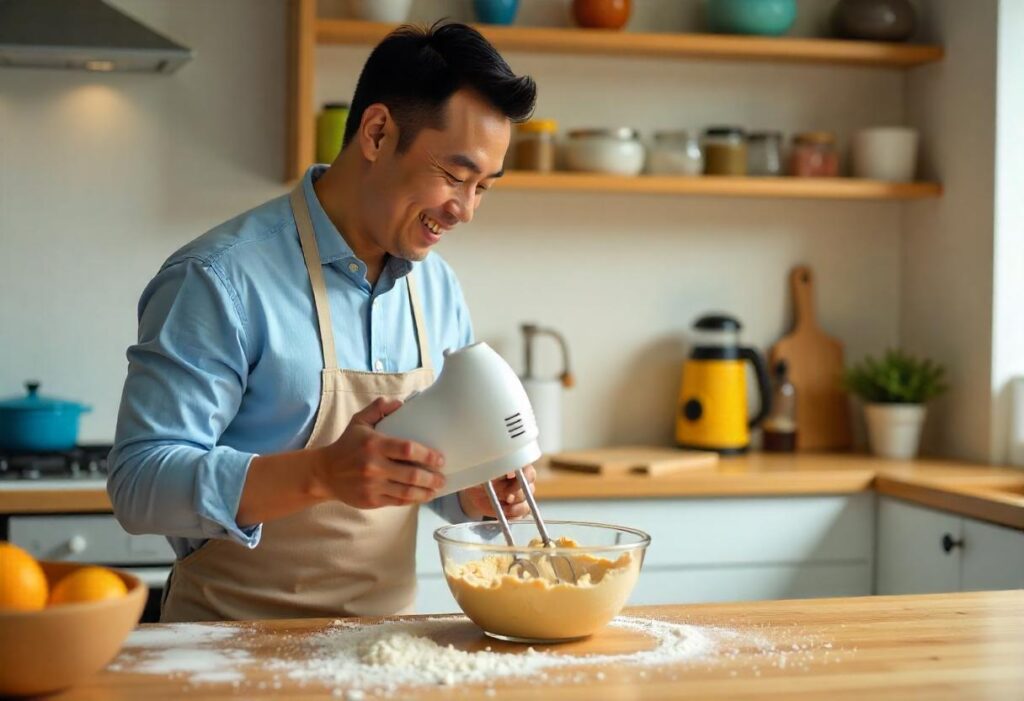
[(53, 501), (946, 646), (994, 494), (989, 493)]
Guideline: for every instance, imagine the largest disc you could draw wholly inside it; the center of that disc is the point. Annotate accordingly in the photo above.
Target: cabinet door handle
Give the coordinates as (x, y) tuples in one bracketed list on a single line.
[(949, 543)]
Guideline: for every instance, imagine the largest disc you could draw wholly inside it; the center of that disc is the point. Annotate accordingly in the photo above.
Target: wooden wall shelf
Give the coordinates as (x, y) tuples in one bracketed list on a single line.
[(307, 31), (662, 45), (783, 187)]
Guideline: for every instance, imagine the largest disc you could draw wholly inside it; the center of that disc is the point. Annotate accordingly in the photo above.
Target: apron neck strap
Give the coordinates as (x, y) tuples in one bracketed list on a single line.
[(311, 254), (316, 276), (418, 319)]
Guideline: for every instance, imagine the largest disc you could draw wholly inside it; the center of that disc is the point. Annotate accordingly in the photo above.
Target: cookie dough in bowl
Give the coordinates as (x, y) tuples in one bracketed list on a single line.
[(511, 603)]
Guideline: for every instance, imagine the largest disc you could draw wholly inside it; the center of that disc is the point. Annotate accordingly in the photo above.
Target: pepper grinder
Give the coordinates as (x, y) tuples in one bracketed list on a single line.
[(780, 427)]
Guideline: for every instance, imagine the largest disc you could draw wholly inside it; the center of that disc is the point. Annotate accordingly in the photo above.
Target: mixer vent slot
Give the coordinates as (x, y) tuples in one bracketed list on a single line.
[(514, 425)]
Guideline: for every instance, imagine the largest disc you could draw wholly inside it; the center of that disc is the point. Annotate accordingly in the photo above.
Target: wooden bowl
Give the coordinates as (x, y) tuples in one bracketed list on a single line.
[(52, 649)]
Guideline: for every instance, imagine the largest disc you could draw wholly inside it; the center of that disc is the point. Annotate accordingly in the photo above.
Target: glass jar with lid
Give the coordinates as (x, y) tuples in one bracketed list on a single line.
[(725, 151), (535, 145), (764, 153), (612, 151), (676, 153), (814, 155)]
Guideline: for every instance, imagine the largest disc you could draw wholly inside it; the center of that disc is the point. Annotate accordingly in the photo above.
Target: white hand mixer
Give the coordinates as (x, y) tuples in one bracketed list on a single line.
[(478, 416)]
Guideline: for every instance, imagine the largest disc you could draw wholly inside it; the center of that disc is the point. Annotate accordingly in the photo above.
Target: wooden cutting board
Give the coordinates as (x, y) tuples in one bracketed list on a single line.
[(634, 459), (815, 363)]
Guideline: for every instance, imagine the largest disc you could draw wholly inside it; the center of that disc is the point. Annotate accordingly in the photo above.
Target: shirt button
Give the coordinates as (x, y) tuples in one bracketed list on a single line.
[(353, 267), (379, 366)]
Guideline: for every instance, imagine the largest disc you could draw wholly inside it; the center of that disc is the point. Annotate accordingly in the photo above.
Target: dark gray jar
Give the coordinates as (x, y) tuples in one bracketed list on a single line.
[(874, 20)]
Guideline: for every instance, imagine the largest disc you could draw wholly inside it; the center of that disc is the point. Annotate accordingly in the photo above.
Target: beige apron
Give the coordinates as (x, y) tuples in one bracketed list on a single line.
[(331, 559)]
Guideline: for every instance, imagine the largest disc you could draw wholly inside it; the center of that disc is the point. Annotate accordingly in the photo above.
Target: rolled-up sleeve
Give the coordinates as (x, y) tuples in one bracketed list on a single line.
[(186, 378)]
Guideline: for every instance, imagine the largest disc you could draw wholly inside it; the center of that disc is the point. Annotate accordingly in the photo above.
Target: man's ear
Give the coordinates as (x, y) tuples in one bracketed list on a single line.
[(375, 125)]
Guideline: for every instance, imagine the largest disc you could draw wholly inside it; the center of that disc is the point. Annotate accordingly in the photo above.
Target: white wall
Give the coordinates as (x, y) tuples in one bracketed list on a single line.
[(1008, 304), (947, 289), (102, 176), (624, 276)]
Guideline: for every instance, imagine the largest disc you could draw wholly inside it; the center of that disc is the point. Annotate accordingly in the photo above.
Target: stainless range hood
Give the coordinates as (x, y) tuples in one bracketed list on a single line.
[(82, 34)]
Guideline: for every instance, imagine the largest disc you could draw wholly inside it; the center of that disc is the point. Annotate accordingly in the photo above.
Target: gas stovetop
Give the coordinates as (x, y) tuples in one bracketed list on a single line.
[(84, 465)]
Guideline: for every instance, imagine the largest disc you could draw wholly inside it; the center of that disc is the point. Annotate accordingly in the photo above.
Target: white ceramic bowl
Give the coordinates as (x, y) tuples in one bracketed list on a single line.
[(885, 153), (610, 151)]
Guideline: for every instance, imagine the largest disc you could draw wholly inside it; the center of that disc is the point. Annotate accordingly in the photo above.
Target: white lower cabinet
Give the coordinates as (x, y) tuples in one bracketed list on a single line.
[(921, 550), (911, 556), (727, 549), (993, 557), (680, 585)]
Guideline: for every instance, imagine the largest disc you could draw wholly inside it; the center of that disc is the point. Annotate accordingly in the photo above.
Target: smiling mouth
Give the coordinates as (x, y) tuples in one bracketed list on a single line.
[(435, 227)]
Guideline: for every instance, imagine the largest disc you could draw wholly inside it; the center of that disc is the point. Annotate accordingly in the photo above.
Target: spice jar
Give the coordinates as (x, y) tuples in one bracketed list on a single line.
[(676, 153), (535, 145), (814, 155), (330, 130), (764, 153), (725, 151)]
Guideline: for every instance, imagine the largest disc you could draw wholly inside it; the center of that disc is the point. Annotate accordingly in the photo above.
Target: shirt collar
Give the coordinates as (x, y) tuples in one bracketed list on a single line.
[(333, 246)]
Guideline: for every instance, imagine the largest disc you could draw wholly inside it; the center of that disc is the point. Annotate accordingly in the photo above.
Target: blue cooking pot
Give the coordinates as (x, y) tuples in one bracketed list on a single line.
[(34, 423)]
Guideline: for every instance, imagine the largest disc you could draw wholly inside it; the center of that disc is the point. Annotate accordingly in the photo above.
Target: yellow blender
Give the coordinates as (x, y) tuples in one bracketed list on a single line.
[(712, 410)]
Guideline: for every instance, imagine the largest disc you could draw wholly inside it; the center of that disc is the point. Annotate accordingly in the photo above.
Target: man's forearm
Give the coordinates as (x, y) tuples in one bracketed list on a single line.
[(280, 485)]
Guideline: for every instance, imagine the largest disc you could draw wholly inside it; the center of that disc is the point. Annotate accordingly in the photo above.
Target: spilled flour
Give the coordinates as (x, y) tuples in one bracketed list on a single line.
[(353, 659), (180, 635), (398, 653), (193, 650)]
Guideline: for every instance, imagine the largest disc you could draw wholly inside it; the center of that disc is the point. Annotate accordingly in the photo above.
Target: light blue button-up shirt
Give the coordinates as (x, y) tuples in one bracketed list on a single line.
[(228, 363)]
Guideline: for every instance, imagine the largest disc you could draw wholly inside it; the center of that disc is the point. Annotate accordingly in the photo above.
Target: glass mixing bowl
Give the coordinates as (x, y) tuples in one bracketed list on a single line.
[(543, 599)]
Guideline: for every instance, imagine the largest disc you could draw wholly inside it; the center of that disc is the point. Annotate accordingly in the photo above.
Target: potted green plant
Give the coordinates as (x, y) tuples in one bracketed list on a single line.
[(895, 390)]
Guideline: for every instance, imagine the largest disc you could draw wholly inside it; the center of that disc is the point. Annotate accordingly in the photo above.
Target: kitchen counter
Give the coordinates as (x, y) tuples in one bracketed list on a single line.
[(993, 494), (985, 492), (964, 646), (28, 498)]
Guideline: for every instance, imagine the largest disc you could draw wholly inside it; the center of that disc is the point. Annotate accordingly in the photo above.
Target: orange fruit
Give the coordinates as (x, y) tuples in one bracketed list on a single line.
[(88, 584), (23, 585)]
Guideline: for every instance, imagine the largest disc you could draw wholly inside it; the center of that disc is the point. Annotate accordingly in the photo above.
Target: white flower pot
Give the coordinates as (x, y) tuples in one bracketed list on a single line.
[(894, 430)]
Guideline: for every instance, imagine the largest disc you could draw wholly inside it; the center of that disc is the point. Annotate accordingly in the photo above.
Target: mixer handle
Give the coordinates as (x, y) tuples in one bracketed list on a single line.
[(764, 388)]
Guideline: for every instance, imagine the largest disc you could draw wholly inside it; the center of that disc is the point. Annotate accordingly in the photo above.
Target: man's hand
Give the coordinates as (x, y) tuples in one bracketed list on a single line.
[(367, 469), (476, 503)]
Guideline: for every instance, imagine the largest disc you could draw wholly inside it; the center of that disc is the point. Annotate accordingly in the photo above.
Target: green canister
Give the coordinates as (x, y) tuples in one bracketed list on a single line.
[(330, 129)]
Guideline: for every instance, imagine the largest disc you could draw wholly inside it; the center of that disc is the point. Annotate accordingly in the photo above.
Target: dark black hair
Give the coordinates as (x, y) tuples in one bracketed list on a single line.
[(414, 71)]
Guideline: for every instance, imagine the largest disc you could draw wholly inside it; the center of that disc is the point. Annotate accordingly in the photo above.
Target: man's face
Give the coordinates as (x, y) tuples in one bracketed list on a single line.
[(420, 195)]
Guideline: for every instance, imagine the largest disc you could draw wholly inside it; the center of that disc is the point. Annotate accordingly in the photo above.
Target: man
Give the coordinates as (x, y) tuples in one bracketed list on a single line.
[(271, 346)]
